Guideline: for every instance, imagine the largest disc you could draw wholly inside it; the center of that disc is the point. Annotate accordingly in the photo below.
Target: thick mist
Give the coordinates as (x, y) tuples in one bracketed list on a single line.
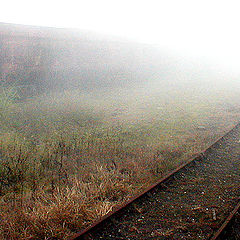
[(88, 121)]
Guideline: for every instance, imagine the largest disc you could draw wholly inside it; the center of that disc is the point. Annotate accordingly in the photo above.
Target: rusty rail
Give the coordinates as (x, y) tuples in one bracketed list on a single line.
[(83, 234), (220, 231)]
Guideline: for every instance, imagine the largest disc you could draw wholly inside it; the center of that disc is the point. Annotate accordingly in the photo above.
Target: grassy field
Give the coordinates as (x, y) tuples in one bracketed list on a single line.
[(68, 158)]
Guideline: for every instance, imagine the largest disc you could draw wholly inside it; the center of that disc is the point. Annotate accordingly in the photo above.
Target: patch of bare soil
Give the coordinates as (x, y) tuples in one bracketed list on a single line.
[(191, 205)]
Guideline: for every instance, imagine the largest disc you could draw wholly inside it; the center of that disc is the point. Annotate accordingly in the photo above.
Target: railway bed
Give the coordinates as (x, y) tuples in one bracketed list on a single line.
[(192, 202)]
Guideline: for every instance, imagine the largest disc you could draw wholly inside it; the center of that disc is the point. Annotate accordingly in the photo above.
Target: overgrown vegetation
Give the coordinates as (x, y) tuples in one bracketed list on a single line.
[(69, 158)]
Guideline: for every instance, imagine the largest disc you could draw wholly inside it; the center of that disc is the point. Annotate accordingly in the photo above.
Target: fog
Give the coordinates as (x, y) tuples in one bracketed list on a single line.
[(204, 30), (52, 59), (65, 70), (115, 97)]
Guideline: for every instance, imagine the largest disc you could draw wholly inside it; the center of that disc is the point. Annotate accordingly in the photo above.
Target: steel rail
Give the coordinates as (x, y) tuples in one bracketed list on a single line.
[(220, 231), (82, 235)]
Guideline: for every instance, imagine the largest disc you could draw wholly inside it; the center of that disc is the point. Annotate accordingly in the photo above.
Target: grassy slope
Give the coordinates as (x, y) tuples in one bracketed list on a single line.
[(69, 158)]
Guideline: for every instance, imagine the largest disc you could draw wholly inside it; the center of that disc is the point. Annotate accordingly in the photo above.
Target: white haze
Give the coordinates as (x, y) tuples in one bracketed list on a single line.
[(206, 29)]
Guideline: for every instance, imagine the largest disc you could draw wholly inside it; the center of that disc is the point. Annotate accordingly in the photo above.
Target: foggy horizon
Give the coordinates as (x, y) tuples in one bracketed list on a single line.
[(89, 119), (205, 31)]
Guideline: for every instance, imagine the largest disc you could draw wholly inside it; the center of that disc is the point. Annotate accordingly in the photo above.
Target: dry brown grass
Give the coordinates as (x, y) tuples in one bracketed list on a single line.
[(58, 212), (62, 168), (54, 201), (49, 191)]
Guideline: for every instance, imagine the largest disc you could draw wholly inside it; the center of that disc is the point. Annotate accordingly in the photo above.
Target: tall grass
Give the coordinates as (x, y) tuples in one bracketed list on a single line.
[(65, 161)]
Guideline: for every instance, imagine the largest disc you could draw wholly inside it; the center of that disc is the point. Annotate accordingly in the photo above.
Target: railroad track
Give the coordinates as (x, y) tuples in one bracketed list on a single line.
[(195, 201)]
